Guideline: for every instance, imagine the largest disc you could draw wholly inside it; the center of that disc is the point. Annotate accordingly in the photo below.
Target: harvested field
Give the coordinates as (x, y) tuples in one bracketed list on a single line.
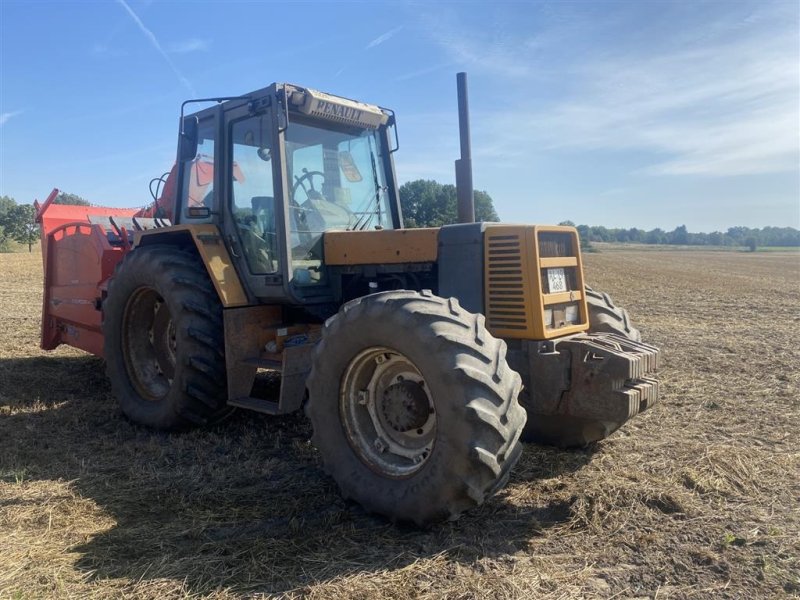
[(696, 498)]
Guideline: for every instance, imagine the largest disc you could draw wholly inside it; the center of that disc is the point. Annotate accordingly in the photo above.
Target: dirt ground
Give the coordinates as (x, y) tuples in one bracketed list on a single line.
[(696, 498)]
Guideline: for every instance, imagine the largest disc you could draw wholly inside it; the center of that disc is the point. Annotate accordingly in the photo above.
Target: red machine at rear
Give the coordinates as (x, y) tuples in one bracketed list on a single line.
[(81, 246)]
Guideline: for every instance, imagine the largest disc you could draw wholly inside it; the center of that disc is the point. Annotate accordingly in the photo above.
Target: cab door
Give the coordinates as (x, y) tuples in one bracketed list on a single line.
[(253, 208)]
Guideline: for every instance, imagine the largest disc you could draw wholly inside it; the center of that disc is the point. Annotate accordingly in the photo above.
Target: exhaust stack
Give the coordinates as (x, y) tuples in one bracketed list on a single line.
[(464, 192)]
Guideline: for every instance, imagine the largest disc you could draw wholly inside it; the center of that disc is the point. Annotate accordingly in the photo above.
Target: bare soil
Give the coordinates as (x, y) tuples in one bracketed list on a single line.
[(696, 498)]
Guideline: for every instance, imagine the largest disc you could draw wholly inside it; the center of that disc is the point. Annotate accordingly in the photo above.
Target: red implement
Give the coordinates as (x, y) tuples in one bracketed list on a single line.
[(80, 248)]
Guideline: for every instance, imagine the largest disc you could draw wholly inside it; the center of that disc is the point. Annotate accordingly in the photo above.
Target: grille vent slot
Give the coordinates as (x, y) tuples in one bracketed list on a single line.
[(506, 296), (555, 244)]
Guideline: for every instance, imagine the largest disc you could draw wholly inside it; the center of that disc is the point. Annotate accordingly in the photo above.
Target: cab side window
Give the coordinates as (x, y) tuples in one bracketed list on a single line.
[(253, 194), (197, 189)]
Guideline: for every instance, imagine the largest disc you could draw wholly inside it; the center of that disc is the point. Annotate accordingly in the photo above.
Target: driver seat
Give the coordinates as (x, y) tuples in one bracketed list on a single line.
[(261, 245)]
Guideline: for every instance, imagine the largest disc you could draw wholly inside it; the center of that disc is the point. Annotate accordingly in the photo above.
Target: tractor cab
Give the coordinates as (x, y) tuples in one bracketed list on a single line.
[(275, 170)]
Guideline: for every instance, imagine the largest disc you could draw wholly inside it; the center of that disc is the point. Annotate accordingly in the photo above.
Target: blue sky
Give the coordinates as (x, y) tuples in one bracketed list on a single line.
[(630, 114)]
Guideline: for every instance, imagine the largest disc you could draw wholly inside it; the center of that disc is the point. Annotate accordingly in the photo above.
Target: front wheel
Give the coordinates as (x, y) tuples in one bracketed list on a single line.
[(414, 408)]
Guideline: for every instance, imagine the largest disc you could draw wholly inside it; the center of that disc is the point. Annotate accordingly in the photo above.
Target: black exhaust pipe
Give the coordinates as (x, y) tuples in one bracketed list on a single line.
[(464, 192)]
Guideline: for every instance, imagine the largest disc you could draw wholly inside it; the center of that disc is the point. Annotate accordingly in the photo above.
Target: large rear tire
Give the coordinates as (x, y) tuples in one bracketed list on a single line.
[(607, 317), (414, 407), (164, 343)]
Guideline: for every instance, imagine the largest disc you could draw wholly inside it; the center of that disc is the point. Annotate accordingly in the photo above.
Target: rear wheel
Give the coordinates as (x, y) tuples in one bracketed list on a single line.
[(162, 324), (607, 317), (414, 408)]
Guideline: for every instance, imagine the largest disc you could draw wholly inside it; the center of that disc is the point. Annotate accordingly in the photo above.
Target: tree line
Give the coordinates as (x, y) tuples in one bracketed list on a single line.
[(680, 236), (427, 203), (18, 221)]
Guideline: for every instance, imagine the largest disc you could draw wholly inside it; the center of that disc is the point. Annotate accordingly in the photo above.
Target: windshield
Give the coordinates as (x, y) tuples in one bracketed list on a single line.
[(336, 181)]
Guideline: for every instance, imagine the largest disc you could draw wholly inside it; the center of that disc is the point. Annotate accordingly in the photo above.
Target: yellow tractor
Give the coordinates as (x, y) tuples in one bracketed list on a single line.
[(423, 357)]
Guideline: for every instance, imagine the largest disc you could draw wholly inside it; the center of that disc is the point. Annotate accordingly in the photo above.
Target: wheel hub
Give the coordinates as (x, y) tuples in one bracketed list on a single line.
[(149, 344), (162, 337), (404, 406), (387, 412)]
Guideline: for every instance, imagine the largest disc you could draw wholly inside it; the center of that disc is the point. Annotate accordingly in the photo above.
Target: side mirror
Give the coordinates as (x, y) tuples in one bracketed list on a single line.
[(187, 140)]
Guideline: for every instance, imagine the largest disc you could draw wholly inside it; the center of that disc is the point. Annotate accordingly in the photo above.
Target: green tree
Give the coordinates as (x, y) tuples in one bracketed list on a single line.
[(738, 235), (427, 203), (600, 234), (484, 207), (678, 236), (584, 235), (19, 223), (655, 236), (6, 204), (715, 238), (636, 235), (65, 198)]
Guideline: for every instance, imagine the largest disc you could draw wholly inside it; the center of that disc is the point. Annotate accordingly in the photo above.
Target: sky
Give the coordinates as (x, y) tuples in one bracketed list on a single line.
[(624, 114)]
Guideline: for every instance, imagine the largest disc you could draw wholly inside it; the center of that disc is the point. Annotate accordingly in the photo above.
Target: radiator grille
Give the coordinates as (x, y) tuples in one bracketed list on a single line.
[(506, 294), (555, 244), (533, 282)]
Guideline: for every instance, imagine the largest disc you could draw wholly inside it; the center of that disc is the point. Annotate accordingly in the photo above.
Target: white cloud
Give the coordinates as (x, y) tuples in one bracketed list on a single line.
[(383, 38), (726, 109), (7, 116), (191, 45), (494, 47), (498, 56), (720, 98)]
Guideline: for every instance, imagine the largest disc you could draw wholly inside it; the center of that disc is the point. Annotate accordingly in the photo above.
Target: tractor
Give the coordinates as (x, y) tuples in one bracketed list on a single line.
[(275, 247)]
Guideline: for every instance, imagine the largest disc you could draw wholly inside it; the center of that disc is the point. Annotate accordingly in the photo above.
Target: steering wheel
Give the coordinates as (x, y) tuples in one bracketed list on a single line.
[(313, 211), (306, 183)]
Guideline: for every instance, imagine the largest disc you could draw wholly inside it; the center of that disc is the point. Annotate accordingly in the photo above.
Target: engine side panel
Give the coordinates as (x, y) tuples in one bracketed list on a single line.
[(461, 264), (381, 247)]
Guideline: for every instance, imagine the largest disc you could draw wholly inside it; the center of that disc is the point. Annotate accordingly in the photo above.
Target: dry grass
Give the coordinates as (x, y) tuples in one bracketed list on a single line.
[(697, 498)]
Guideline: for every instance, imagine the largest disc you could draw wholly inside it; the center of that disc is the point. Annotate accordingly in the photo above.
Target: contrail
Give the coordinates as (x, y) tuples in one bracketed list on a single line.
[(150, 36), (382, 38)]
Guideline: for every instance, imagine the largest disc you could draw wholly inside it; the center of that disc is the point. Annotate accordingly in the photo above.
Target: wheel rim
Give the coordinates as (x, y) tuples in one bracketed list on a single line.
[(387, 412), (149, 344)]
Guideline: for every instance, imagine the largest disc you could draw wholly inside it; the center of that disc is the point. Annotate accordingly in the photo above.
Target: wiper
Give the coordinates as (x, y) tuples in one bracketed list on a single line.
[(356, 224), (378, 189), (378, 193)]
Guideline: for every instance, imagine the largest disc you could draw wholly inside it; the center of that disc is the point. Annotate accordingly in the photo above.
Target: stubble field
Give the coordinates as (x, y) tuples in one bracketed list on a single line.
[(696, 498)]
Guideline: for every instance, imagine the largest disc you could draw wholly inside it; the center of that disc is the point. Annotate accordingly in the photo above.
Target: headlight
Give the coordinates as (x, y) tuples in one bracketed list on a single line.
[(571, 314)]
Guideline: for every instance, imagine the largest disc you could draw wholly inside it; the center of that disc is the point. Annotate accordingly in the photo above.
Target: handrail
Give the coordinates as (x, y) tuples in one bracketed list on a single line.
[(77, 224), (41, 208)]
